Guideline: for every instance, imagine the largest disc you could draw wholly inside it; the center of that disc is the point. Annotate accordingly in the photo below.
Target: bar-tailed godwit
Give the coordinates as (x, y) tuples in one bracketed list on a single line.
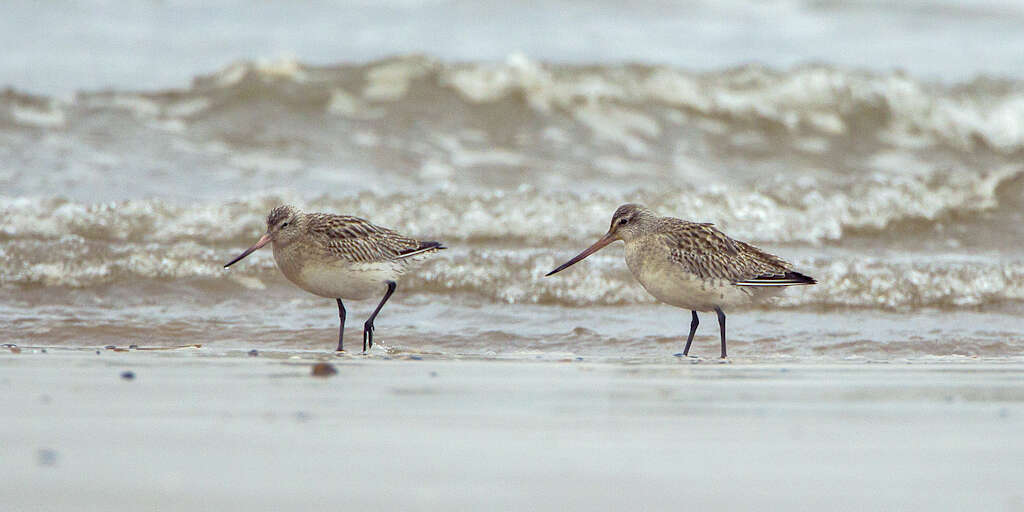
[(339, 257), (693, 265)]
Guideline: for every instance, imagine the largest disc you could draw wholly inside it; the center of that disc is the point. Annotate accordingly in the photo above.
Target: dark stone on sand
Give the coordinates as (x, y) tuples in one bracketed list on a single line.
[(110, 347), (46, 457), (324, 370), (97, 352), (127, 375), (416, 358), (43, 350), (133, 347), (254, 353)]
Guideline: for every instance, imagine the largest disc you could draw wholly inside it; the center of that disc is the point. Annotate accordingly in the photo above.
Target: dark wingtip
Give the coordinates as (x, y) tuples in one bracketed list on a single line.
[(431, 244), (804, 279)]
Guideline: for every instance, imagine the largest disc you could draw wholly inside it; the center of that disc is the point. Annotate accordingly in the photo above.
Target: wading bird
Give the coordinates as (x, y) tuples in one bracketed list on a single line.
[(693, 265), (339, 257)]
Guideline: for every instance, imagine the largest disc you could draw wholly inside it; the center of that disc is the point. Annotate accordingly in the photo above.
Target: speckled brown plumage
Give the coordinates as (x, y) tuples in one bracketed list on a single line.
[(703, 250), (357, 240), (339, 256), (699, 248), (693, 265)]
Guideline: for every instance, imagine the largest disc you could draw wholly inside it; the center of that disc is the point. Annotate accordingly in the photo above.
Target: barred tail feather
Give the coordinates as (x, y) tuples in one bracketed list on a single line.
[(424, 247), (787, 279)]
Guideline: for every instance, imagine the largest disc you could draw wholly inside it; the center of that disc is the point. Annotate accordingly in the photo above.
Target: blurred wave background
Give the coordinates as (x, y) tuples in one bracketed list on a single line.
[(877, 145)]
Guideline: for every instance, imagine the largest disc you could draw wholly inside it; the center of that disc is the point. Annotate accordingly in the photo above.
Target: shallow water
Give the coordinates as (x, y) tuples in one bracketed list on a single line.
[(902, 193)]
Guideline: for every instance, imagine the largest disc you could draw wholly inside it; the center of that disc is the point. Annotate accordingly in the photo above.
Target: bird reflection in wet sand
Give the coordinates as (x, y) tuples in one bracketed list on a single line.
[(693, 265), (339, 257)]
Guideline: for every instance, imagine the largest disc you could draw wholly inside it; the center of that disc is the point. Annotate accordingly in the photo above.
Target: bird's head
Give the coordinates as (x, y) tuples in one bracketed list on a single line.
[(628, 222), (284, 225)]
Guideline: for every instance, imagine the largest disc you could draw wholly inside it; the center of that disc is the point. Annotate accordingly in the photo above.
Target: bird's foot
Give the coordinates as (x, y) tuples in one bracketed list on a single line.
[(367, 336), (692, 359), (723, 360)]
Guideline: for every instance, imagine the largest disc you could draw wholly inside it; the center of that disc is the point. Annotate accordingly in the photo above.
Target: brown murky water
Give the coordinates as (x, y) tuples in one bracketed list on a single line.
[(904, 198)]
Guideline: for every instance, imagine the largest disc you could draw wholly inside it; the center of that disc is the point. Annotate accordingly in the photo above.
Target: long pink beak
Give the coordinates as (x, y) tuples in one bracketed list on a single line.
[(259, 243), (605, 240)]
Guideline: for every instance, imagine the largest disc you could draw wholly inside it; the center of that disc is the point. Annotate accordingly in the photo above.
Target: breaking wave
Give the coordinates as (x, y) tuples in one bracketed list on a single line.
[(501, 246), (518, 163)]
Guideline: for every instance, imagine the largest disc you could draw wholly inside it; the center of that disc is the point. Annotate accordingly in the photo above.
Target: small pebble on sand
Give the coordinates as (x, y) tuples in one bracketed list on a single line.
[(46, 457), (324, 370), (127, 375), (254, 353)]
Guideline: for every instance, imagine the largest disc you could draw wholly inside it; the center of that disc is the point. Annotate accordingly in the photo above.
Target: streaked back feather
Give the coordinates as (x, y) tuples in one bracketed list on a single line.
[(710, 254), (359, 241)]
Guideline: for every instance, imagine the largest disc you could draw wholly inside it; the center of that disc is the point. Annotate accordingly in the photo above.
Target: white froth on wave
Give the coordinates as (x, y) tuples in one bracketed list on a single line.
[(187, 108), (347, 105), (266, 162), (814, 98), (516, 275), (801, 211), (50, 117), (390, 81)]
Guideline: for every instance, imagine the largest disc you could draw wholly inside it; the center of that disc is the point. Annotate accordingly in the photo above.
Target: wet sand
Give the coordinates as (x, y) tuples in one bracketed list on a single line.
[(214, 429)]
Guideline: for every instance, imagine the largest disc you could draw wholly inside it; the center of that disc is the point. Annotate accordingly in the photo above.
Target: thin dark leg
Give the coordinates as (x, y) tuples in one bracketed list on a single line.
[(721, 325), (693, 329), (341, 328), (368, 326)]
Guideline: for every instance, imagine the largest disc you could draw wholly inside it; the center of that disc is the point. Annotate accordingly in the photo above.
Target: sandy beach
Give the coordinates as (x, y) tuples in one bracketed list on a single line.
[(214, 429), (874, 146)]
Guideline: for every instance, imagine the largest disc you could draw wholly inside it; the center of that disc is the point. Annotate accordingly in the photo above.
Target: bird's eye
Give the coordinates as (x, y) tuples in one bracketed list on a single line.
[(622, 222), (284, 225)]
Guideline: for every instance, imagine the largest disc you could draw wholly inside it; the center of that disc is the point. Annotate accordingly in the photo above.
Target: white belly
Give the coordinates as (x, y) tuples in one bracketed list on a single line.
[(672, 284), (335, 278), (346, 281), (685, 290)]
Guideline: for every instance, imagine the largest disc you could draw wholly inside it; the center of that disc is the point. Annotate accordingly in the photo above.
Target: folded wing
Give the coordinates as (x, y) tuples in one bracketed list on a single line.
[(357, 240), (702, 249)]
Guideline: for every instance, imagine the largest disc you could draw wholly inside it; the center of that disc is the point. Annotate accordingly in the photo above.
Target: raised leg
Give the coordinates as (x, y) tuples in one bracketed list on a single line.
[(721, 325), (341, 328), (693, 329), (368, 326)]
